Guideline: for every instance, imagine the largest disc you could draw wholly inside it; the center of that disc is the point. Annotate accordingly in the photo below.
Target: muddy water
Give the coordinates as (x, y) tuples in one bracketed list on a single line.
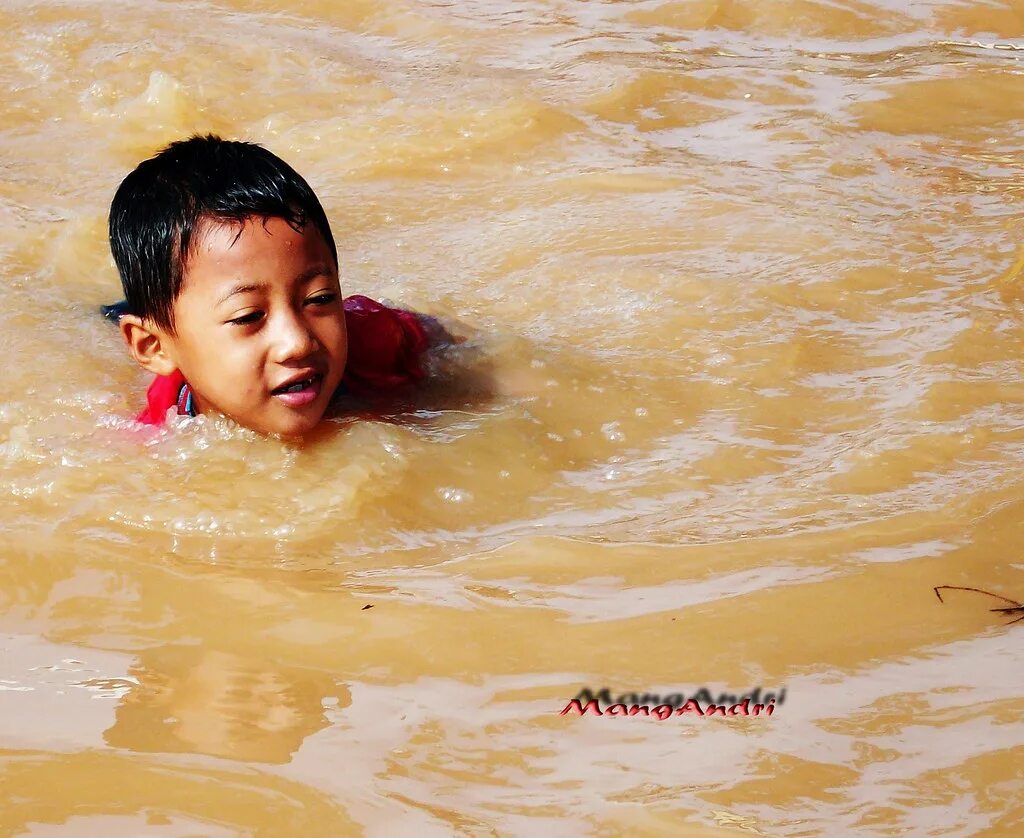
[(744, 381)]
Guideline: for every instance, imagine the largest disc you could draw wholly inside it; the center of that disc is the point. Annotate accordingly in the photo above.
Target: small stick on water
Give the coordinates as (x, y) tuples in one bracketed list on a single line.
[(1015, 607)]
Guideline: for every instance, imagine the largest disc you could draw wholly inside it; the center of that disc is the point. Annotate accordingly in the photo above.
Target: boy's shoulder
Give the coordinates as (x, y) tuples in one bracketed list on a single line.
[(384, 346), (165, 392)]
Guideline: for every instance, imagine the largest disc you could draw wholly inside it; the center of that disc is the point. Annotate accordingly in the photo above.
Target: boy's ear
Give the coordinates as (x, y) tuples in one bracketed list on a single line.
[(146, 344)]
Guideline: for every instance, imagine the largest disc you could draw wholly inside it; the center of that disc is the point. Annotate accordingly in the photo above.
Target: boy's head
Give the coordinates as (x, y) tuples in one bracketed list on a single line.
[(231, 276)]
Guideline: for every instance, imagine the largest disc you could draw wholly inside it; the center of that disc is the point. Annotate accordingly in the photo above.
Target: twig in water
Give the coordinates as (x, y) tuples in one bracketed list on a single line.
[(1015, 607)]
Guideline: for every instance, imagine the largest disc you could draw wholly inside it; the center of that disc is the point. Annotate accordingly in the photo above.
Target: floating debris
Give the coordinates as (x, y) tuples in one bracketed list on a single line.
[(1015, 607)]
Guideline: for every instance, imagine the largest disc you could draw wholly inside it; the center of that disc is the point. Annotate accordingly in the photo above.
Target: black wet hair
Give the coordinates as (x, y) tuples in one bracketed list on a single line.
[(158, 208)]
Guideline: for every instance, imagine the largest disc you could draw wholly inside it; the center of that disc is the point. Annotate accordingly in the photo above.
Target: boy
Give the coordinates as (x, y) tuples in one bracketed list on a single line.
[(230, 274)]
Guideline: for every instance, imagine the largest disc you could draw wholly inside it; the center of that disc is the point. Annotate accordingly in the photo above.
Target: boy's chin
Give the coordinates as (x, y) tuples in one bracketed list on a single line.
[(274, 418), (284, 422), (295, 426)]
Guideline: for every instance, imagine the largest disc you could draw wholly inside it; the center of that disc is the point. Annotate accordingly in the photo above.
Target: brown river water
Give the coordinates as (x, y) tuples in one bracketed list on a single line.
[(744, 381)]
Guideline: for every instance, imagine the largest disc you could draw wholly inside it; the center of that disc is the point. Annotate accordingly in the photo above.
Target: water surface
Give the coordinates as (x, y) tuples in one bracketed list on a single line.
[(744, 383)]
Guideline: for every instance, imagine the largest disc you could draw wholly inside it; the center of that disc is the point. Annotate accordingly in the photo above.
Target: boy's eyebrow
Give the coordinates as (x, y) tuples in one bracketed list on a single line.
[(241, 288), (314, 271), (246, 287)]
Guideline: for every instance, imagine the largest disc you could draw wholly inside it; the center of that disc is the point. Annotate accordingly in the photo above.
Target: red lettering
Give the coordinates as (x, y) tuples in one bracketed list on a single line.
[(663, 711), (581, 710), (741, 709), (617, 710), (691, 706), (639, 710), (715, 710)]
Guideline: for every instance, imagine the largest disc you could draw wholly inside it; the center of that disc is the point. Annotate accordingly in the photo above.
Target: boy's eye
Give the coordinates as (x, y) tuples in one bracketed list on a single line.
[(247, 319), (326, 298)]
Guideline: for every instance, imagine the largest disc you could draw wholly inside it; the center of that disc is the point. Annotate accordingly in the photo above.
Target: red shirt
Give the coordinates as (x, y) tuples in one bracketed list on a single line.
[(384, 348)]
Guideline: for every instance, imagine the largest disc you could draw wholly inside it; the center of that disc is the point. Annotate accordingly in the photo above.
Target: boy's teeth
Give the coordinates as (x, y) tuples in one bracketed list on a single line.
[(298, 385)]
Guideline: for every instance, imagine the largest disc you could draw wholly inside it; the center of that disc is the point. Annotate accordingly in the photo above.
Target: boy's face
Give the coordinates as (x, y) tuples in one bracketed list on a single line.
[(259, 324)]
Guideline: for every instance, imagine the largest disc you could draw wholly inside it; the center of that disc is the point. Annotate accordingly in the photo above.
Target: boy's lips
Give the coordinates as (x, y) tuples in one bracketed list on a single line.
[(299, 391)]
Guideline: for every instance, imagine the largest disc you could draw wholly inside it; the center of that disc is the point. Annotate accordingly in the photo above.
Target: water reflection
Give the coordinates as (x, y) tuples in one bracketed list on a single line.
[(188, 699)]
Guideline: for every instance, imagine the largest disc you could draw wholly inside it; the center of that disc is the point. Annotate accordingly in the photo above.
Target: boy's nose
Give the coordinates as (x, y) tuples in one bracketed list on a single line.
[(293, 339)]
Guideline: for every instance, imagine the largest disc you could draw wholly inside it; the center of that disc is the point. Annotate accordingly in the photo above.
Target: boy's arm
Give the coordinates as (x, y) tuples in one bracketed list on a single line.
[(437, 334), (386, 345), (115, 311)]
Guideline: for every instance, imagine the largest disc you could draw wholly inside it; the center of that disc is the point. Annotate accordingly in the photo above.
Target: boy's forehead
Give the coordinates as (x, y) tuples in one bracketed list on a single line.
[(212, 233), (228, 244), (235, 240)]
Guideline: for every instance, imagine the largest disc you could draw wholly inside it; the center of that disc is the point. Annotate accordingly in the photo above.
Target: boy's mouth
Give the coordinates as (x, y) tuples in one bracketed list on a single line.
[(299, 392)]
